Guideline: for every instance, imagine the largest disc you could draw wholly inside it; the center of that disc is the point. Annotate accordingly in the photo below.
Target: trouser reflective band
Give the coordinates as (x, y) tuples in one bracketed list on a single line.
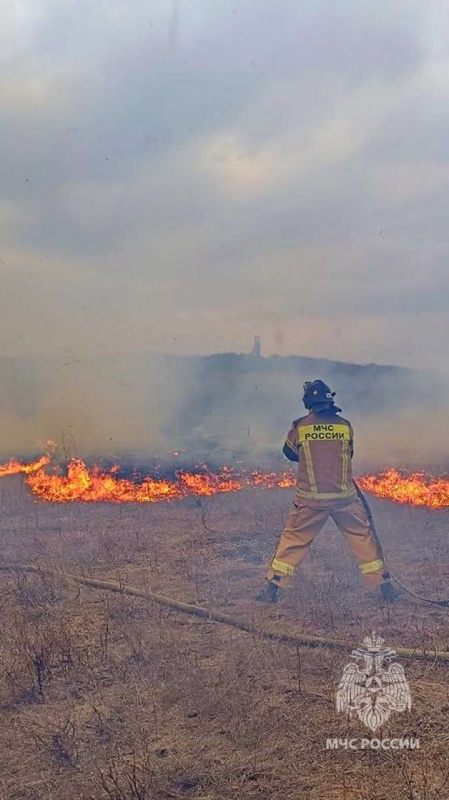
[(372, 566), (282, 567)]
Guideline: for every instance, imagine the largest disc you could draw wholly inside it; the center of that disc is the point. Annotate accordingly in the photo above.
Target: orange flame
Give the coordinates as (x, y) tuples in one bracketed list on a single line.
[(85, 484), (416, 489), (96, 485), (14, 467)]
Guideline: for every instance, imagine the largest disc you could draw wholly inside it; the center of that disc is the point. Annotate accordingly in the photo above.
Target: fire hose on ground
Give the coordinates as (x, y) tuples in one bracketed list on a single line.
[(299, 640)]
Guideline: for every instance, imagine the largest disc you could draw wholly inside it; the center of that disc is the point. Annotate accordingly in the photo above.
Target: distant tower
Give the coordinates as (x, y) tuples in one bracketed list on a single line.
[(256, 347)]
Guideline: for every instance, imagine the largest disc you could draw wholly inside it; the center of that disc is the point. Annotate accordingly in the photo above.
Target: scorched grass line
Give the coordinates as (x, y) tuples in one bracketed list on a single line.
[(205, 613)]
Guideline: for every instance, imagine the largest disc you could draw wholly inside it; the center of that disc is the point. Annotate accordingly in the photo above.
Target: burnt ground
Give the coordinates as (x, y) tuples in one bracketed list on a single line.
[(107, 696)]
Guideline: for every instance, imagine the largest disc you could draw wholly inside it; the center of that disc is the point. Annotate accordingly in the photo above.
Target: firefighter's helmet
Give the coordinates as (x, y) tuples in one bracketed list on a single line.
[(318, 396)]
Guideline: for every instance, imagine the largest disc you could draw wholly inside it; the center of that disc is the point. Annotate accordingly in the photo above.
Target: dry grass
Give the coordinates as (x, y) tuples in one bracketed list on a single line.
[(105, 696)]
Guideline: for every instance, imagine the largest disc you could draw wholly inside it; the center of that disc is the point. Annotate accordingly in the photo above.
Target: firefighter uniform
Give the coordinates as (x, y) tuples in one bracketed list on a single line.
[(322, 444)]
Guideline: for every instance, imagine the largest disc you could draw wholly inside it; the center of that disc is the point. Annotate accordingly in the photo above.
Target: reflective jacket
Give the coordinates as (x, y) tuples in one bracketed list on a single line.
[(322, 444)]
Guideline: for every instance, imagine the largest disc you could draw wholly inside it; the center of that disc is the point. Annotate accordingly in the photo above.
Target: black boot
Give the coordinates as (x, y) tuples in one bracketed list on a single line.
[(389, 592), (269, 594)]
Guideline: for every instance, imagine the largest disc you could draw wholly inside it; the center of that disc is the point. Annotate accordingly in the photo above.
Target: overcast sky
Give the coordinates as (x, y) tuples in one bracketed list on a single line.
[(181, 176)]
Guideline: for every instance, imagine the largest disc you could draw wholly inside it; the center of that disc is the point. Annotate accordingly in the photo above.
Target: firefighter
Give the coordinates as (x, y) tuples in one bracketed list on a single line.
[(322, 444)]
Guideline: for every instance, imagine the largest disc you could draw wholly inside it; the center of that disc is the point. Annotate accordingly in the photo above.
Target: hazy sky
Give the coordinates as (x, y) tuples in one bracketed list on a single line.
[(181, 176)]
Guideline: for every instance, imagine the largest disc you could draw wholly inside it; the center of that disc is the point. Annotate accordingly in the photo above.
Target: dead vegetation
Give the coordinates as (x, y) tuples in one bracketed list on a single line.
[(108, 696)]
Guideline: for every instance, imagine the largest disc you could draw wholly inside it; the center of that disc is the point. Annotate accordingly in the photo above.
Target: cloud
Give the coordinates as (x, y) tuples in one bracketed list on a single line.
[(180, 183)]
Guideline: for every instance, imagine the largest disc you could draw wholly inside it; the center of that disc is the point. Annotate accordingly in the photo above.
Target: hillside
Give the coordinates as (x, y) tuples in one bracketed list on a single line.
[(219, 406)]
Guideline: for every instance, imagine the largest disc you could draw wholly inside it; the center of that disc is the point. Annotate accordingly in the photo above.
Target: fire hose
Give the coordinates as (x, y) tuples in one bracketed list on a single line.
[(299, 640), (441, 603)]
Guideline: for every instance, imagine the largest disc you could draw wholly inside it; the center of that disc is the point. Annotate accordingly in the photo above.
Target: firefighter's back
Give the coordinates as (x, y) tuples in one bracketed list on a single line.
[(325, 442)]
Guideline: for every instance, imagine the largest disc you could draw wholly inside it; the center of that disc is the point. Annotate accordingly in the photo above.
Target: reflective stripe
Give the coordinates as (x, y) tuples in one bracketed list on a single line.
[(291, 445), (326, 495), (371, 566), (282, 567), (309, 467), (344, 466)]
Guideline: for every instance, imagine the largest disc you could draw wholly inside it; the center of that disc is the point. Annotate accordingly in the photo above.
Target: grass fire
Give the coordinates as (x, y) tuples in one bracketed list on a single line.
[(96, 484), (224, 467), (111, 696)]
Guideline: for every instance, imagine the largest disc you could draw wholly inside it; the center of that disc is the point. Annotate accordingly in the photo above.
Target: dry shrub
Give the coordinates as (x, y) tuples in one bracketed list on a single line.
[(140, 702)]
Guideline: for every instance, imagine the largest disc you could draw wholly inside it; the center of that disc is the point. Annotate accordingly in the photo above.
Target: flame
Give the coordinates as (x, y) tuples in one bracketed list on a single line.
[(94, 485), (14, 467), (417, 489)]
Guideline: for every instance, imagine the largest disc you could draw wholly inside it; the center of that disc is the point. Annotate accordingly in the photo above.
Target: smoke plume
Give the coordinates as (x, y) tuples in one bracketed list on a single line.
[(222, 409)]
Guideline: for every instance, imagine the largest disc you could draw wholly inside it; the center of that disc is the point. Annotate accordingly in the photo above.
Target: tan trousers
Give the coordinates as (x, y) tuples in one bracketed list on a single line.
[(306, 520)]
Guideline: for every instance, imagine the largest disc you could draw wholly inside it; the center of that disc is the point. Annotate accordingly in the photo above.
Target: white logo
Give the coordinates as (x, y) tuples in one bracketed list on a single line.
[(371, 691)]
